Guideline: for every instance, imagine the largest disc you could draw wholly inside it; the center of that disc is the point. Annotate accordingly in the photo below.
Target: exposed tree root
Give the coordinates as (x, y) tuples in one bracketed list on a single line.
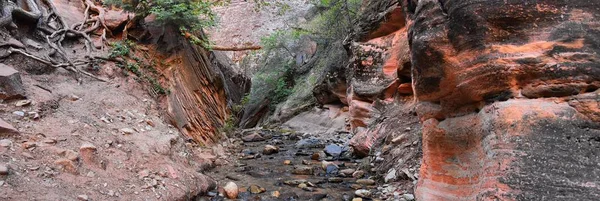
[(68, 66)]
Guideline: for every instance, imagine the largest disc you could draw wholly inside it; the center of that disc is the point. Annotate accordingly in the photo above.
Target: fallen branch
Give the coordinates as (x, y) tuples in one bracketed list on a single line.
[(44, 88), (235, 48)]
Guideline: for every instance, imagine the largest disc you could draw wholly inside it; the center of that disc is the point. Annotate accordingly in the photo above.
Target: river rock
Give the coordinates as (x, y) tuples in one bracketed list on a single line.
[(335, 180), (331, 169), (255, 189), (362, 193), (254, 137), (347, 172), (333, 150), (390, 176), (367, 182), (295, 182), (358, 174), (309, 143), (231, 190), (324, 164), (408, 196), (303, 170), (270, 149)]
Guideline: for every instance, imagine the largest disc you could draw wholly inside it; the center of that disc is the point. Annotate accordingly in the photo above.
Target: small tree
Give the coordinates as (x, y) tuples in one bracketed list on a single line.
[(187, 15)]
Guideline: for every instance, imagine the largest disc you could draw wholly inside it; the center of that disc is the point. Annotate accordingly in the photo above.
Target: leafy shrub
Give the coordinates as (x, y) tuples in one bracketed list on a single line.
[(120, 49), (190, 14)]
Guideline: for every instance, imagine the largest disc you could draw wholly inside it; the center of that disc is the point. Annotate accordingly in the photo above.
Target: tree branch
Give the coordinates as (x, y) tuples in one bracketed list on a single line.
[(235, 48)]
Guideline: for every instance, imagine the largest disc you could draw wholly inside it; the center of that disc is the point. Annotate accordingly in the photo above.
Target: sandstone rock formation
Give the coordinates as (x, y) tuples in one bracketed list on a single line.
[(202, 86), (495, 79), (507, 94)]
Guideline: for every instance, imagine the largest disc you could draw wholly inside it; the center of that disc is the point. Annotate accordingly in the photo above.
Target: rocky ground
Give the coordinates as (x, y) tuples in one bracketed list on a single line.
[(92, 140), (309, 161)]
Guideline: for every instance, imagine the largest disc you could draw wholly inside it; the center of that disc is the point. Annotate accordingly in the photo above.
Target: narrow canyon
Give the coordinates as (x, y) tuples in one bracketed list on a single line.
[(427, 100)]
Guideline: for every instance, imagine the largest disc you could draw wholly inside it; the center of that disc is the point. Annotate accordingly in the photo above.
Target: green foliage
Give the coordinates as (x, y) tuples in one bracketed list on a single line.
[(277, 79), (281, 92), (336, 20), (123, 50), (120, 49), (156, 86), (274, 40), (191, 14), (229, 126), (282, 8), (260, 4)]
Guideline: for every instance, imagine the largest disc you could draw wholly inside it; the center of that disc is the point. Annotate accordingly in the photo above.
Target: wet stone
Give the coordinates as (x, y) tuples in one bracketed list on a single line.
[(254, 137), (362, 193), (303, 170), (358, 174), (367, 182), (333, 150), (231, 190), (319, 196), (408, 197), (347, 172), (255, 189), (294, 182), (331, 169), (270, 149), (335, 180), (390, 176), (309, 143)]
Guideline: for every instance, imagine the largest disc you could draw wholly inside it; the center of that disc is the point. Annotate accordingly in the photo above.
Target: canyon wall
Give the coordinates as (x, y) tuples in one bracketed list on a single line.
[(203, 86), (506, 92)]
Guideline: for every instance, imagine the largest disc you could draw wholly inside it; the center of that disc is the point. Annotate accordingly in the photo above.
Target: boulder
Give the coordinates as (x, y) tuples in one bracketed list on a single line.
[(116, 18), (231, 190), (254, 137), (270, 149), (6, 127), (11, 86)]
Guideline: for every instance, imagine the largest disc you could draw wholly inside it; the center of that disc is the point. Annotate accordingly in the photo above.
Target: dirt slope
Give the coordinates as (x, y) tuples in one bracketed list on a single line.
[(151, 163)]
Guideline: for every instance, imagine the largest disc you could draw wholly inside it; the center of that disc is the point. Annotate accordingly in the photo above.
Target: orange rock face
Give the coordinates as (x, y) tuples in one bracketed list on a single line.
[(506, 91), (201, 87), (381, 71)]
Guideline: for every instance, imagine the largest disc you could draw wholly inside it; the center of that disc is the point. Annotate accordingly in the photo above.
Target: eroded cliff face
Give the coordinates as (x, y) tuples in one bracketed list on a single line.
[(203, 86), (506, 92), (499, 84)]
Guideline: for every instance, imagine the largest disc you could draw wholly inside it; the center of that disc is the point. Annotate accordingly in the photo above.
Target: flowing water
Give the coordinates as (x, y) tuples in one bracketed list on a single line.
[(311, 174)]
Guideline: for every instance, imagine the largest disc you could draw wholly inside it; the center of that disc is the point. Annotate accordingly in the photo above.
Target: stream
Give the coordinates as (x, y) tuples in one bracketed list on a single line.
[(305, 167)]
